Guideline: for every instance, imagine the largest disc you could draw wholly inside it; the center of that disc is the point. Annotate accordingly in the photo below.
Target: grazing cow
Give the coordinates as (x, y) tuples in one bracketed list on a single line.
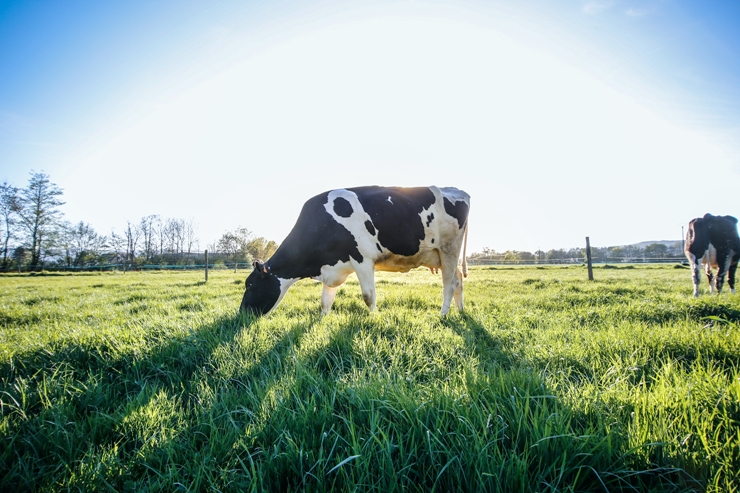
[(713, 241), (361, 230)]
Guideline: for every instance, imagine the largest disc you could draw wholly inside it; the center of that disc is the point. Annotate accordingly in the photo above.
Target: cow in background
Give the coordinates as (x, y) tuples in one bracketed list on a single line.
[(713, 241), (362, 230)]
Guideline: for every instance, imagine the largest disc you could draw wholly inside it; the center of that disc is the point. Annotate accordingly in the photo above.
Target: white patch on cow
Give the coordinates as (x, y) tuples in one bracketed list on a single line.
[(332, 276), (710, 262), (389, 199), (285, 284), (335, 275), (355, 224), (695, 272), (454, 195)]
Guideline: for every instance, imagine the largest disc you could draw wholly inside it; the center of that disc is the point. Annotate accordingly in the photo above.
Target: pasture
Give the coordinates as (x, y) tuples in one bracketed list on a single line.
[(547, 382)]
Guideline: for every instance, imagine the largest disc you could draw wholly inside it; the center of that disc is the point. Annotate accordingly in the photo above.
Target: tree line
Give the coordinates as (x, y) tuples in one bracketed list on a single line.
[(36, 235), (598, 254)]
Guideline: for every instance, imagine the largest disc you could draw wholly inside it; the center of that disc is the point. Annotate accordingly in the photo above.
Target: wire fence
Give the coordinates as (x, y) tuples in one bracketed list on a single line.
[(219, 264), (168, 261), (577, 261)]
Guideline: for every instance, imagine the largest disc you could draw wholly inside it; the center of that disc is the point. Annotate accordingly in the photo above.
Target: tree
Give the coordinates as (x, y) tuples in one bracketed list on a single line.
[(555, 254), (9, 206), (260, 248), (677, 249), (81, 244), (236, 244), (148, 227), (21, 256), (178, 235), (656, 250), (616, 252), (38, 212), (524, 256), (117, 244), (190, 239), (132, 235)]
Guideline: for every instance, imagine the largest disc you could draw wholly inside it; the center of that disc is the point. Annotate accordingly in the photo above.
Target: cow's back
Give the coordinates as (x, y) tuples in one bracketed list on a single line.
[(722, 232)]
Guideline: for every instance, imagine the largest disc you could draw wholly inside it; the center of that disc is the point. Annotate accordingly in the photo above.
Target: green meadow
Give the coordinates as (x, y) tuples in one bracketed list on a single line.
[(547, 382)]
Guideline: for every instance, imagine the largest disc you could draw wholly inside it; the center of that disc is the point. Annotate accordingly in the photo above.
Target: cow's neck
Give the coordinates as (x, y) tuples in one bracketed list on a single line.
[(284, 275), (284, 265)]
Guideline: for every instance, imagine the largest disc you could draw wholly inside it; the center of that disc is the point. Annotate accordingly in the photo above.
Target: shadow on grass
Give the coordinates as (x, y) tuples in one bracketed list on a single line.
[(594, 453), (64, 404), (283, 418)]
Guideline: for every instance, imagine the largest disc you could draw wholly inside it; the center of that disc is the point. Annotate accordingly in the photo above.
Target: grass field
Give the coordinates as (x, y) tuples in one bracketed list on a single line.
[(547, 382)]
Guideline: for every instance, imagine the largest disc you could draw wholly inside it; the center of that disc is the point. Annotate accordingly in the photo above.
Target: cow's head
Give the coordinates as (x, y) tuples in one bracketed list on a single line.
[(262, 290)]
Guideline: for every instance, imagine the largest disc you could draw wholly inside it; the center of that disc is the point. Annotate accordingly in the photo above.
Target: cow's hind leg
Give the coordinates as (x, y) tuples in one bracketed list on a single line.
[(731, 275), (459, 291), (328, 294), (710, 276), (451, 283), (723, 266)]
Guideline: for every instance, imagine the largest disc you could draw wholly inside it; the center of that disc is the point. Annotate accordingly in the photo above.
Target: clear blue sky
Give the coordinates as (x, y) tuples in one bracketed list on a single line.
[(618, 120)]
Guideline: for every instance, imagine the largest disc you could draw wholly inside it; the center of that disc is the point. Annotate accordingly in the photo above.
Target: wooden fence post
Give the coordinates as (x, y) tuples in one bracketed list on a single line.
[(588, 260), (206, 265)]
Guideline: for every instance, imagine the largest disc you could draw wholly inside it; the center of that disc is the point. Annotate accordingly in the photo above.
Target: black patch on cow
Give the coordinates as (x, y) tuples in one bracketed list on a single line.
[(262, 290), (719, 231), (459, 210), (430, 218), (379, 248), (397, 221), (432, 240), (342, 207), (370, 227), (317, 239)]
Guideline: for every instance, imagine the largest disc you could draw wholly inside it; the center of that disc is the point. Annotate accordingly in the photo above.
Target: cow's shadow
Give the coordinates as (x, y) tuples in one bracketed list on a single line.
[(69, 404)]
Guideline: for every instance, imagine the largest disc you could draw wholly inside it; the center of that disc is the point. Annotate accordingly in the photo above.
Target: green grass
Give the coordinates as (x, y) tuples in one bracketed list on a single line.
[(547, 382)]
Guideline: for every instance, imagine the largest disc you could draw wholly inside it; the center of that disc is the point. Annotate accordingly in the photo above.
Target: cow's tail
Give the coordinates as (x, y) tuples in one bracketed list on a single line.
[(465, 252)]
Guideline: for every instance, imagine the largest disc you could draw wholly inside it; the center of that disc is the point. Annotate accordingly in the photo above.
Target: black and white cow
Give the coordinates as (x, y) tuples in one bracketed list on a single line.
[(361, 230), (713, 241)]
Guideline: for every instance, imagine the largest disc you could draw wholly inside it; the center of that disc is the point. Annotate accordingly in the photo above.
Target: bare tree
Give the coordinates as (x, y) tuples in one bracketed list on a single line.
[(158, 233), (148, 226), (178, 236), (132, 235), (191, 240), (38, 211), (9, 207)]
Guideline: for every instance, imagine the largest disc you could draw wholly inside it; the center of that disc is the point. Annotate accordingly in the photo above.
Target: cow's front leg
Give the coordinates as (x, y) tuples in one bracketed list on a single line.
[(328, 294), (366, 276), (695, 273)]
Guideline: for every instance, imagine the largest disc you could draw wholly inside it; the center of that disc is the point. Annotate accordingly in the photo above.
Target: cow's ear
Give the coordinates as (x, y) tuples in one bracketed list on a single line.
[(260, 267)]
